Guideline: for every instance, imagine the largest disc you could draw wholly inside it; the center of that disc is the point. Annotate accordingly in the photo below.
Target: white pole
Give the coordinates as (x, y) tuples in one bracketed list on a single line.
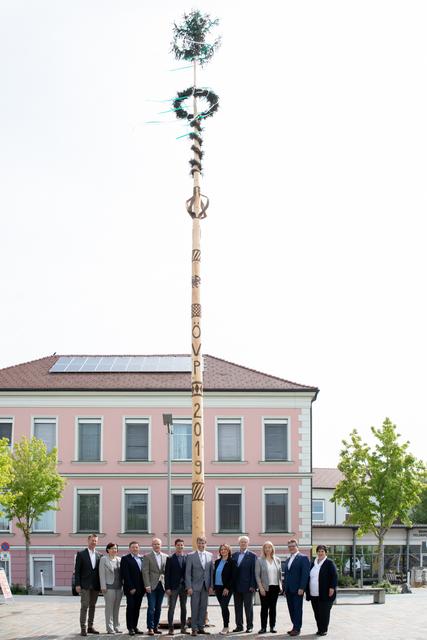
[(170, 432), (42, 581)]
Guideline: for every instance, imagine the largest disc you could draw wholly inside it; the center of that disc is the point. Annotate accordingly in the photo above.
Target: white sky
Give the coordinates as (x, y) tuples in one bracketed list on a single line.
[(314, 260)]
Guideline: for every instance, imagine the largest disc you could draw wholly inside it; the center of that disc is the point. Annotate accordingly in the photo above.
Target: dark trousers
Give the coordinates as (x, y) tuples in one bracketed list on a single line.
[(322, 613), (154, 606), (245, 599), (268, 606), (180, 593), (223, 603), (133, 605), (88, 598), (295, 609)]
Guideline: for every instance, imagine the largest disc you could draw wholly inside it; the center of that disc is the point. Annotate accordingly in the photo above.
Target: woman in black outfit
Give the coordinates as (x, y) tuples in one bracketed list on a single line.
[(224, 575), (322, 588)]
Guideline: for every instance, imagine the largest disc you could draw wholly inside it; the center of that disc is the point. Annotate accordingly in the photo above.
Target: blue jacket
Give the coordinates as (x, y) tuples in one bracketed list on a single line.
[(174, 573), (131, 575), (245, 573), (297, 576)]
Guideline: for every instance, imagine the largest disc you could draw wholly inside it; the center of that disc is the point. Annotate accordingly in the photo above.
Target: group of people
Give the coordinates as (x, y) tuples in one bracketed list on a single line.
[(197, 575)]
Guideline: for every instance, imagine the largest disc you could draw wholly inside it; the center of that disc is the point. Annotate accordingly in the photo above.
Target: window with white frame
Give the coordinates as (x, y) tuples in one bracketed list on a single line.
[(181, 511), (276, 440), (229, 435), (136, 511), (276, 512), (229, 510), (88, 510), (89, 440), (4, 522), (45, 523), (45, 429), (318, 510), (136, 439), (6, 429), (181, 440)]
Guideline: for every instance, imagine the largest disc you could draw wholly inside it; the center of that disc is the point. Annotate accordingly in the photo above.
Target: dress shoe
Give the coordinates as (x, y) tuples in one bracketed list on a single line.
[(139, 632), (321, 633), (150, 632), (83, 632), (171, 631), (203, 632), (237, 629), (262, 631), (194, 632), (157, 631), (294, 632), (92, 630), (249, 630), (273, 631)]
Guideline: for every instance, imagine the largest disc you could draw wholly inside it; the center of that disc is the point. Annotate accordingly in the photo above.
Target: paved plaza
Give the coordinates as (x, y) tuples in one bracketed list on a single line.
[(57, 618)]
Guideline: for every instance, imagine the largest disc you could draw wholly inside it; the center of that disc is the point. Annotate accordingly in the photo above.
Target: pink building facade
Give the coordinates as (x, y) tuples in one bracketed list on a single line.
[(104, 416)]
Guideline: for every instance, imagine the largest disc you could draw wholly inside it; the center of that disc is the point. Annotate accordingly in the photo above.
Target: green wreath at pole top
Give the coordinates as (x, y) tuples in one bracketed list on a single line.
[(189, 43)]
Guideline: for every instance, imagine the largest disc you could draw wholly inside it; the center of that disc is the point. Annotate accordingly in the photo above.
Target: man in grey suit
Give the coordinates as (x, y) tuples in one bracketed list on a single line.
[(199, 583), (153, 573)]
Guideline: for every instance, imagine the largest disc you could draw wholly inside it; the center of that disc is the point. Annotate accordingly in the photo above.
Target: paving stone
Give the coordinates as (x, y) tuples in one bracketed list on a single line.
[(354, 618)]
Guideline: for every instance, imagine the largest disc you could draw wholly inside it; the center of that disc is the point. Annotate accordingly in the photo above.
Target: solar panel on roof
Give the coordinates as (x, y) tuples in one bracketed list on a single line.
[(121, 364), (60, 365)]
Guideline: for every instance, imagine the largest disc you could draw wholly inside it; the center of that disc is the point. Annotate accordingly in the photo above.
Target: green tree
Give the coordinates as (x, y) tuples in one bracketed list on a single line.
[(5, 466), (419, 513), (381, 484), (34, 486)]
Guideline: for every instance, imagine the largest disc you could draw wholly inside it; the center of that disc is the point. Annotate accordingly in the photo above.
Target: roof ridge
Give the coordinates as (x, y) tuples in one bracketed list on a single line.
[(262, 373), (14, 366)]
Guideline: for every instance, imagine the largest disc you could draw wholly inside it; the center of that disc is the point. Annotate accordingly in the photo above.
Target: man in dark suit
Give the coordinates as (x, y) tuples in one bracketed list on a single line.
[(245, 585), (175, 584), (296, 575), (133, 586), (86, 573)]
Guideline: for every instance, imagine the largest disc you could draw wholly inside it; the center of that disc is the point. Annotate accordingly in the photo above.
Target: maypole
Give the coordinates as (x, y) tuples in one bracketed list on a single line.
[(190, 44)]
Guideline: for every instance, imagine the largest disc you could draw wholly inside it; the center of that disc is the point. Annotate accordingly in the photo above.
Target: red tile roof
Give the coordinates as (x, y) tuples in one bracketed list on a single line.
[(324, 478), (219, 375)]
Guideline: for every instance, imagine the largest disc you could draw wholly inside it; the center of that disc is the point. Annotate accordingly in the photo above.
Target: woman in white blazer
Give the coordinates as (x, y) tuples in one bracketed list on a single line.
[(111, 587), (268, 574)]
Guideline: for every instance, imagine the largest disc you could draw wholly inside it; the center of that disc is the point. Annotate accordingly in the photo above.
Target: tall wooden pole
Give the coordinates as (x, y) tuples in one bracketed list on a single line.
[(198, 472)]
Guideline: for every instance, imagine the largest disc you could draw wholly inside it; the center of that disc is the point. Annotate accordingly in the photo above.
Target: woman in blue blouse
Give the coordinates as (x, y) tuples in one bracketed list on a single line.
[(224, 575)]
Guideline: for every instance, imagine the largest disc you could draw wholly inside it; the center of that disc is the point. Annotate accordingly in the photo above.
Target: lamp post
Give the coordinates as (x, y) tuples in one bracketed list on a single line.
[(168, 422)]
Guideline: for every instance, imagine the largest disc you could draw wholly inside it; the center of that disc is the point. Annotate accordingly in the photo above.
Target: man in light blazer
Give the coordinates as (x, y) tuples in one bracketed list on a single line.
[(86, 573), (153, 573), (296, 575), (199, 583)]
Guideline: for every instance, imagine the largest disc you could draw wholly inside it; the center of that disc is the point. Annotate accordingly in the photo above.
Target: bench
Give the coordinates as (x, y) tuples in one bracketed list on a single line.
[(377, 592)]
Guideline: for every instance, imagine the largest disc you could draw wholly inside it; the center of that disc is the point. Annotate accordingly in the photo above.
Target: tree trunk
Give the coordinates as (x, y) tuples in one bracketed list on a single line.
[(380, 558), (27, 562)]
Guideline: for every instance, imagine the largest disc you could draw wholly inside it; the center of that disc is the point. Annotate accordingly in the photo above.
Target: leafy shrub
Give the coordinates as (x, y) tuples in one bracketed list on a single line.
[(389, 588), (346, 581)]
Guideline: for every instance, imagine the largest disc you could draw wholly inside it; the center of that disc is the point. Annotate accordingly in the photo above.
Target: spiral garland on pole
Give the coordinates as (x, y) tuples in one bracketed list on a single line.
[(190, 43)]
